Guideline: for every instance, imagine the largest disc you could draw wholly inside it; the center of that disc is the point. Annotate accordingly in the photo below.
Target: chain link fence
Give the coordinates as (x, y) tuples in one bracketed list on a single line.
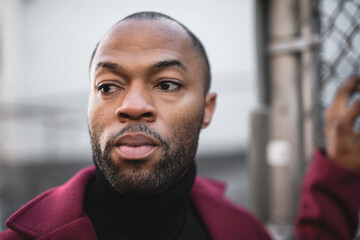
[(338, 54)]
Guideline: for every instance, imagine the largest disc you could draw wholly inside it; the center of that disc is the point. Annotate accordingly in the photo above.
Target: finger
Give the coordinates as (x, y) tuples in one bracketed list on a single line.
[(350, 86), (351, 114)]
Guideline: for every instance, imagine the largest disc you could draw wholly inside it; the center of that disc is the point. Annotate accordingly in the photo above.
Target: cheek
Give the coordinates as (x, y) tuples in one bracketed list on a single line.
[(185, 127), (193, 106), (97, 119), (184, 113)]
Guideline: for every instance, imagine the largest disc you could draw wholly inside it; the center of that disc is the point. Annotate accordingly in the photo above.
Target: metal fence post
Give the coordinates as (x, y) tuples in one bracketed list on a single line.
[(288, 92)]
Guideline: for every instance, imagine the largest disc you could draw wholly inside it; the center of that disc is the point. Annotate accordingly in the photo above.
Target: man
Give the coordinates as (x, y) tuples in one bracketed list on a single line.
[(148, 101)]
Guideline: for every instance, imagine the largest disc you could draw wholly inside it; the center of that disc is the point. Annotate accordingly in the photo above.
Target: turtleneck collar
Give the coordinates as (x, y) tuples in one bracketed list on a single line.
[(157, 216)]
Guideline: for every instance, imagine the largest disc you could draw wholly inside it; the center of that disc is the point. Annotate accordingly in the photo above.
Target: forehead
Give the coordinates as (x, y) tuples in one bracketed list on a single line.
[(146, 34)]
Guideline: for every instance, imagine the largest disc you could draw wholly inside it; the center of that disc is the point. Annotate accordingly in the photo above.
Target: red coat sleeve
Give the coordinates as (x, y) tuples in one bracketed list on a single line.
[(330, 201)]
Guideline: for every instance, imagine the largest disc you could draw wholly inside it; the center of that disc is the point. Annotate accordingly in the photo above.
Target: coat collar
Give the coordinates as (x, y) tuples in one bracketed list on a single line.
[(36, 219), (222, 218)]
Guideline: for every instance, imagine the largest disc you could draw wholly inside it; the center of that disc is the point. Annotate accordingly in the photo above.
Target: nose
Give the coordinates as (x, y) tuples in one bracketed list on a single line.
[(136, 104)]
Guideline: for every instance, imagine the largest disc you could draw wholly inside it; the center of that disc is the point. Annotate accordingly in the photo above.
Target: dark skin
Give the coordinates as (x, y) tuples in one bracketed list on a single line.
[(343, 143), (146, 72)]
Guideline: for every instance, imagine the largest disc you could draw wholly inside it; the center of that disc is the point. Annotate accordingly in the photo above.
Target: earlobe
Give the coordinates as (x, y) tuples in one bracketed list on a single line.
[(210, 103)]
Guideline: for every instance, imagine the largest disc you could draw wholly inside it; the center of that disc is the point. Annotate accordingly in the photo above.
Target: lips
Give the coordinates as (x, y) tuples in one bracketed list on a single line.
[(135, 146)]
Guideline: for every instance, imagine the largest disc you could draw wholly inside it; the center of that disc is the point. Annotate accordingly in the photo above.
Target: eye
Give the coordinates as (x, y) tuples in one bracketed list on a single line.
[(169, 86), (108, 88)]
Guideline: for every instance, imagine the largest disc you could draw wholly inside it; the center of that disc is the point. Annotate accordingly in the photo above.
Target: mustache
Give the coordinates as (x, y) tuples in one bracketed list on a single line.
[(137, 128)]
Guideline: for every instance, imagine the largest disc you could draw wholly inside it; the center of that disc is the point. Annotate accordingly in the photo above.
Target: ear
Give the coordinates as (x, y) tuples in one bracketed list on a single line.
[(210, 102)]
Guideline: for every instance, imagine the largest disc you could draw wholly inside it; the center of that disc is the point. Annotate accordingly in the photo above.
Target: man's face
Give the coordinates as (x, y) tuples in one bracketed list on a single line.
[(146, 105)]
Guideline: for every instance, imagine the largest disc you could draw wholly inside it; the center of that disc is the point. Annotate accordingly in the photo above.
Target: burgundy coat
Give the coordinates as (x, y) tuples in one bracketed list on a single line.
[(330, 201), (58, 213)]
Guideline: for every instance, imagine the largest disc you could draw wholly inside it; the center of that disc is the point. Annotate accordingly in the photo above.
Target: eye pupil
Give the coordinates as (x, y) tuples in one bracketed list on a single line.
[(165, 86), (105, 88)]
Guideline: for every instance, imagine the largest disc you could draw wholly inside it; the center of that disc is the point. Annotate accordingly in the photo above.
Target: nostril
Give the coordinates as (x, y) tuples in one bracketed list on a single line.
[(124, 115), (148, 114)]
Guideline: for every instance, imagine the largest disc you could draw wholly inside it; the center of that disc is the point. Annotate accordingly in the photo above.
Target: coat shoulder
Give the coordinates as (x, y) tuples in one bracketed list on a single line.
[(221, 215), (11, 235), (52, 210)]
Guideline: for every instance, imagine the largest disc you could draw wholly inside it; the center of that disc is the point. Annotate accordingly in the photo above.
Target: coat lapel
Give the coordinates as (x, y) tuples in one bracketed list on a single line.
[(55, 210)]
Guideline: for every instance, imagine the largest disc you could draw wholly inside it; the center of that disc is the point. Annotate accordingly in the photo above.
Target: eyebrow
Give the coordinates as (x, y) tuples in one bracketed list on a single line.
[(157, 66), (168, 63), (109, 65)]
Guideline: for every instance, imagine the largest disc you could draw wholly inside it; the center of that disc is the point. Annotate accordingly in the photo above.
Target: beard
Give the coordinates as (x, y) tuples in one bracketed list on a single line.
[(177, 153)]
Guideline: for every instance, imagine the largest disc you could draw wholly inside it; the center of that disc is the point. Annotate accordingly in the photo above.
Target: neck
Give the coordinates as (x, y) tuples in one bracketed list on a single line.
[(124, 215)]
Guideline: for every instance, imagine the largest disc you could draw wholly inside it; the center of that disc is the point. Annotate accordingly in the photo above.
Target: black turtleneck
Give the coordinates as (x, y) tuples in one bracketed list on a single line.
[(168, 215)]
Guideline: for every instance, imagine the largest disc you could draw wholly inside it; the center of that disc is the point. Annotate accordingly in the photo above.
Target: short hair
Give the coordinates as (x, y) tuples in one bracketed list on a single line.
[(195, 41)]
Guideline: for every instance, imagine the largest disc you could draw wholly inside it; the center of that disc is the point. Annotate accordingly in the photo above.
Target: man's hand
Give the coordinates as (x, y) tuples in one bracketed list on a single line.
[(343, 142)]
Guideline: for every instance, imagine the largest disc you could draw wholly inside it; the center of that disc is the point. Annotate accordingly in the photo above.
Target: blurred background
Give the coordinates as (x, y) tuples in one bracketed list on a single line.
[(275, 64)]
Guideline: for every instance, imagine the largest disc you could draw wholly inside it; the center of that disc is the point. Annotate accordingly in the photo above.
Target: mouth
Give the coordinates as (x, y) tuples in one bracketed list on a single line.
[(135, 146)]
